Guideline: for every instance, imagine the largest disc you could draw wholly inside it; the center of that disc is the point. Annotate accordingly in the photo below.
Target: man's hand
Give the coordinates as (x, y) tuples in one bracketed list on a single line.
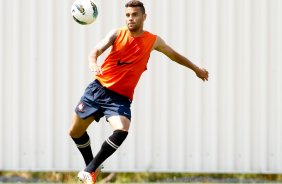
[(202, 74), (95, 68)]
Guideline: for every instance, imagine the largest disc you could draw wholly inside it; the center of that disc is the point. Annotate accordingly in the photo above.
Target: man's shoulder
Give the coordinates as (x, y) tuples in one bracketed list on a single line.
[(150, 33), (123, 28), (116, 31), (159, 42)]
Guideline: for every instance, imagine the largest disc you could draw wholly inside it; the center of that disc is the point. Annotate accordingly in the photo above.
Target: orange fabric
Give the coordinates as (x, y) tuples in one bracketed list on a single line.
[(126, 62)]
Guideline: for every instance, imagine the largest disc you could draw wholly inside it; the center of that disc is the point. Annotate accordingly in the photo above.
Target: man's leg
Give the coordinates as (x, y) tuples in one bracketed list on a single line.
[(120, 126), (79, 135)]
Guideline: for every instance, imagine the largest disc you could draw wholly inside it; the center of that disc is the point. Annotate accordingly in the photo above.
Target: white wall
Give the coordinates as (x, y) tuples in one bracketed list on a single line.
[(230, 124)]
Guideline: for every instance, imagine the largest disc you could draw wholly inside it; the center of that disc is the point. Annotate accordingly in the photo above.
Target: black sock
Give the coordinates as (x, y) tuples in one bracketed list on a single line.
[(107, 149), (83, 145)]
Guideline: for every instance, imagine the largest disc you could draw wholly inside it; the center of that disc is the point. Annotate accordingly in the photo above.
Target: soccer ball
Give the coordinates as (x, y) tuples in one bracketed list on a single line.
[(84, 11)]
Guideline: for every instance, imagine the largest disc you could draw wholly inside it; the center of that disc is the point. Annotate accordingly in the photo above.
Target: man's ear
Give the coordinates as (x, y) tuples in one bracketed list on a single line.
[(144, 16)]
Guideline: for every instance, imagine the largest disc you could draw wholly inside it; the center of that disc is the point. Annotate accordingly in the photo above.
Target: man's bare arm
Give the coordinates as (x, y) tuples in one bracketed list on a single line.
[(99, 49), (161, 46)]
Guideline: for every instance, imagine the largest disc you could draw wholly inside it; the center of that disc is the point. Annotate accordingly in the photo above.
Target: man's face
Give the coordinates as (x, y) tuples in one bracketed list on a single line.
[(134, 18)]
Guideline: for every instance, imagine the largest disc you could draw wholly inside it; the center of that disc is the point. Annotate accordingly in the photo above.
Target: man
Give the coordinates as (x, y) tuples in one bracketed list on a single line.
[(111, 93)]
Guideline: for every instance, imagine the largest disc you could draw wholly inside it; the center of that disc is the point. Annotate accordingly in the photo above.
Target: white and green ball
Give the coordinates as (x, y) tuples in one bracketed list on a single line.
[(84, 11)]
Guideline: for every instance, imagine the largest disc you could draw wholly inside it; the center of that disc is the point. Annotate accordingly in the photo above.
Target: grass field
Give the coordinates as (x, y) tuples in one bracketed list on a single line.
[(131, 178)]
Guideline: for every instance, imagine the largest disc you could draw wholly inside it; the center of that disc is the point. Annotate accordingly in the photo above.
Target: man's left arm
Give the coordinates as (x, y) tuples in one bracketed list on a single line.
[(161, 46)]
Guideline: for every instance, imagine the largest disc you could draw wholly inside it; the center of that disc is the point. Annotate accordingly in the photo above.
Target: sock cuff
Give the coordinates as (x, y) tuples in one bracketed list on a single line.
[(117, 138), (83, 141), (121, 133)]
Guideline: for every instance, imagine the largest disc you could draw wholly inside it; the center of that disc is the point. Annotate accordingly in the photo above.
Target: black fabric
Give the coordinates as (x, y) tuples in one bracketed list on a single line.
[(107, 149), (83, 145)]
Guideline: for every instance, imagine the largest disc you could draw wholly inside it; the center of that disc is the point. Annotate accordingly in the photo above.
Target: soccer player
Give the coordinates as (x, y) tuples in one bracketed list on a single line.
[(111, 93)]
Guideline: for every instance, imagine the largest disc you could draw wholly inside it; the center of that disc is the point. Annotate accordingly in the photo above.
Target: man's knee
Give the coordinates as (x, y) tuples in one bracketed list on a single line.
[(79, 126), (119, 123), (73, 133)]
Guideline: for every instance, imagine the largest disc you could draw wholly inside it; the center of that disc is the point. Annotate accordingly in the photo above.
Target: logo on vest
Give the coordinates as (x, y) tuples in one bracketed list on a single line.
[(120, 63)]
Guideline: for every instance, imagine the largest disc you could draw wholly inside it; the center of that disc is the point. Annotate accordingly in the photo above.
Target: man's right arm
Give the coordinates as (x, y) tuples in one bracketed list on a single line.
[(99, 49)]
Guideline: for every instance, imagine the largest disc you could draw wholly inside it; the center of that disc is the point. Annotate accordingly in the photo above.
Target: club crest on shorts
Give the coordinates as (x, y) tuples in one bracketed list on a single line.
[(80, 107)]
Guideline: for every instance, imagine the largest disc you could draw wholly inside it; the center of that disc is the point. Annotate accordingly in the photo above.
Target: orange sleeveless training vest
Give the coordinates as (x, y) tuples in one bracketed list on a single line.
[(126, 62)]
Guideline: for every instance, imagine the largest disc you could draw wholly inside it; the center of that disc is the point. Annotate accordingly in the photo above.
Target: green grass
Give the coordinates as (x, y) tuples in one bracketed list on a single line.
[(144, 177)]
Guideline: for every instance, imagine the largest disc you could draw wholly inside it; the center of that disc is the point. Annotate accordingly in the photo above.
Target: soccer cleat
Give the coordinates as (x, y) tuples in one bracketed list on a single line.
[(89, 178)]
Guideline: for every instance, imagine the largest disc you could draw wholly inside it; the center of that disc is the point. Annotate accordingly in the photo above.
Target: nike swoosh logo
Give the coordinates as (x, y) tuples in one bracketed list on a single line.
[(119, 63)]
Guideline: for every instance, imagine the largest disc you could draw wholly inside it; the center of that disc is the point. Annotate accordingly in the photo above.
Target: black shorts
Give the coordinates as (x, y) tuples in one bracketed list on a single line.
[(98, 101)]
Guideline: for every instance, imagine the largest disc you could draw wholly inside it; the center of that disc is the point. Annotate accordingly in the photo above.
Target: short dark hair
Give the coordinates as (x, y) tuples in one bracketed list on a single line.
[(135, 3)]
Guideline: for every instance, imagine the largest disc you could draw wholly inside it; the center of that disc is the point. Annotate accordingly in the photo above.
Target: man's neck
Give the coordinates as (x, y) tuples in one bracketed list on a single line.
[(136, 33)]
